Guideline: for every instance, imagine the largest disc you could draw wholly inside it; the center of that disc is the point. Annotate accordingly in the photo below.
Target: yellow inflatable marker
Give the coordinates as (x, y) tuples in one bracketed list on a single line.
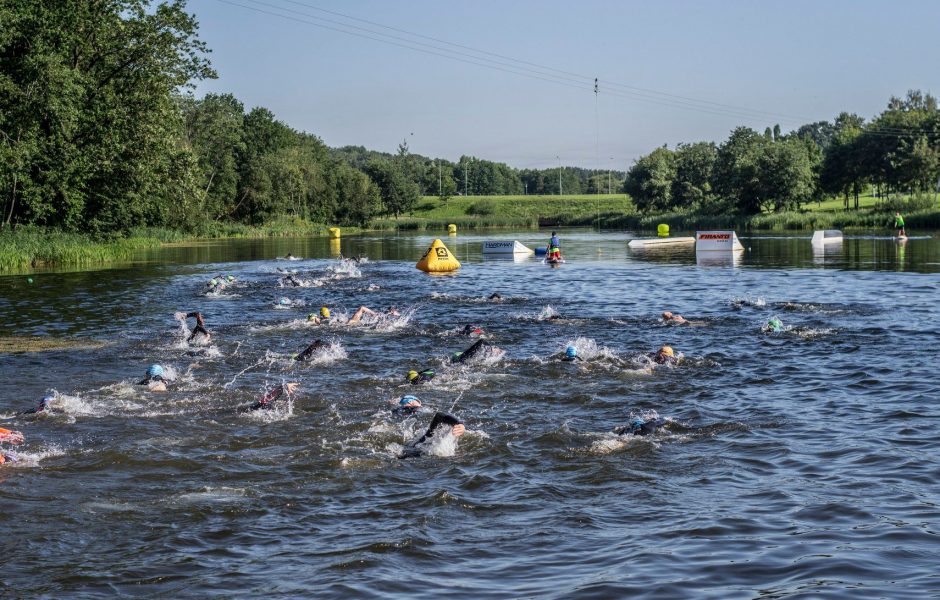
[(335, 233), (438, 259), (663, 230), (452, 229)]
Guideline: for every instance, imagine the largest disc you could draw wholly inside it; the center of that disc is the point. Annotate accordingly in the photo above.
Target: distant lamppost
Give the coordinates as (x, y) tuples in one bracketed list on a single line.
[(559, 174), (608, 174)]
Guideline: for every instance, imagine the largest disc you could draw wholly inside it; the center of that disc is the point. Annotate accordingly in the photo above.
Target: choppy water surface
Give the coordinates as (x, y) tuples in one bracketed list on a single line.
[(797, 464)]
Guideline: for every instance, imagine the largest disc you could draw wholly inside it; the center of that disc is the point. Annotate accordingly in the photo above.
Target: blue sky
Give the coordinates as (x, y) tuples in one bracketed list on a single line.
[(705, 66)]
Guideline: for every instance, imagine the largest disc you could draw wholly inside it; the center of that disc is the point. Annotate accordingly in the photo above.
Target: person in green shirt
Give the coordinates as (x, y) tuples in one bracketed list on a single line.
[(899, 225)]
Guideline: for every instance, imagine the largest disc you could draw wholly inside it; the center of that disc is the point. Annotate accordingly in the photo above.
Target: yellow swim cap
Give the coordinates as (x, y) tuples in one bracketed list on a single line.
[(412, 375), (666, 351), (325, 312)]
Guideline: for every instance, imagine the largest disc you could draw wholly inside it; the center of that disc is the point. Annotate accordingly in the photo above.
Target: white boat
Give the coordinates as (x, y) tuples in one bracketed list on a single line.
[(506, 247), (659, 242)]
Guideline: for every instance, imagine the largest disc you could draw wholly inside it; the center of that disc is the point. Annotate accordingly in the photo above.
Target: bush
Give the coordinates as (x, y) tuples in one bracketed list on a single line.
[(482, 208)]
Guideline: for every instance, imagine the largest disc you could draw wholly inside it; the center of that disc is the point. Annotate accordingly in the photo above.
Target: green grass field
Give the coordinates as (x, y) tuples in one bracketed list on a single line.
[(510, 211)]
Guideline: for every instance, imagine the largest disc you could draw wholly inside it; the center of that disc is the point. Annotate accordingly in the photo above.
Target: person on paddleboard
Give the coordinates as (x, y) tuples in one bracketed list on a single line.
[(899, 225), (554, 248), (440, 420)]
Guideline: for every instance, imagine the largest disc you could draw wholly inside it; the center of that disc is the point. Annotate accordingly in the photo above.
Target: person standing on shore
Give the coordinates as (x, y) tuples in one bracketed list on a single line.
[(899, 225)]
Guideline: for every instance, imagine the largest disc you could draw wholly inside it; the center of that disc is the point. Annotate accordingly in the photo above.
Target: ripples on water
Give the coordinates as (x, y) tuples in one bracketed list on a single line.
[(794, 464)]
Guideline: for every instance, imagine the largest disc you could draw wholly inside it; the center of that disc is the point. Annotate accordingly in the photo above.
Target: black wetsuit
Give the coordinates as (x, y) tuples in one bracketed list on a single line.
[(423, 377), (150, 379), (495, 296), (267, 402), (309, 350), (200, 325), (43, 405), (412, 450), (291, 280), (471, 352), (647, 428)]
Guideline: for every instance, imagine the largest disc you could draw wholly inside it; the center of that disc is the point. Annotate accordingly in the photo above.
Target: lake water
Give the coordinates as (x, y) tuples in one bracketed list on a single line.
[(803, 463)]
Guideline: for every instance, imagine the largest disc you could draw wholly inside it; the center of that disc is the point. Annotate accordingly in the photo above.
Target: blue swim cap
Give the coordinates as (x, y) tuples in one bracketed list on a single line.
[(406, 399), (284, 301), (48, 398), (155, 371), (571, 352), (637, 424)]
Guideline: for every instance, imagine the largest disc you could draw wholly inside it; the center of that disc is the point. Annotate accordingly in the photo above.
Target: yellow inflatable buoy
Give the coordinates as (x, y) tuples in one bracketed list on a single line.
[(335, 233), (663, 230), (438, 259), (452, 229)]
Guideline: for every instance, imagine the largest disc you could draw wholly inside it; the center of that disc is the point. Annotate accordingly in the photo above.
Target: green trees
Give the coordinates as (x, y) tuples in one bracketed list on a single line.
[(90, 130), (750, 172)]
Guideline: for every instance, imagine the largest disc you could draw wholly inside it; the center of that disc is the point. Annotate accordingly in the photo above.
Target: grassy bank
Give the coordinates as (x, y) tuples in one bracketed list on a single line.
[(33, 247), (472, 212)]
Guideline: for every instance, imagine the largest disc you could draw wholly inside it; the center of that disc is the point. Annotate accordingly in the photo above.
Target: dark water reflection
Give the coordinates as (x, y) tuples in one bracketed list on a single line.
[(798, 464)]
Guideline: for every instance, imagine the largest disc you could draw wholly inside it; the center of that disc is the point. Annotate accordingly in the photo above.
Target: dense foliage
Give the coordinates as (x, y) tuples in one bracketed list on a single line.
[(898, 151)]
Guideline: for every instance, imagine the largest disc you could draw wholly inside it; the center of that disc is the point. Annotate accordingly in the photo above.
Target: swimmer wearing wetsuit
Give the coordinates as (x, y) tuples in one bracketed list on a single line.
[(665, 356), (11, 437), (154, 376), (291, 281), (268, 400), (640, 427), (457, 428), (419, 377), (408, 406), (42, 407), (309, 350), (472, 351), (471, 330), (200, 326), (571, 354)]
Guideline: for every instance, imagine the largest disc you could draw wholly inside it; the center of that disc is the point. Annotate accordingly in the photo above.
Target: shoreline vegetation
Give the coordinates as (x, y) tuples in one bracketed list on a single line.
[(31, 247), (105, 151)]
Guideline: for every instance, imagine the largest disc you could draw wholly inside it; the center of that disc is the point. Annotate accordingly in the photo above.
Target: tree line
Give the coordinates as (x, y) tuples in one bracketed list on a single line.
[(100, 133), (897, 151)]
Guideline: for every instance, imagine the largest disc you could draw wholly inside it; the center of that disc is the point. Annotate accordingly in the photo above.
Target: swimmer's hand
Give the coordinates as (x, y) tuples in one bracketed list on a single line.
[(290, 388), (458, 430)]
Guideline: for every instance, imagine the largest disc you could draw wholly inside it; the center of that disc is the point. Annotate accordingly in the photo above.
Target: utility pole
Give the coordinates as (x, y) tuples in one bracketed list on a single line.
[(608, 175), (465, 167), (440, 180), (559, 175)]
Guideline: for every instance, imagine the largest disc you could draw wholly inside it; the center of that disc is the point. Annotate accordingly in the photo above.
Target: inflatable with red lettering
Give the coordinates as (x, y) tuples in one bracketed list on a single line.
[(726, 241)]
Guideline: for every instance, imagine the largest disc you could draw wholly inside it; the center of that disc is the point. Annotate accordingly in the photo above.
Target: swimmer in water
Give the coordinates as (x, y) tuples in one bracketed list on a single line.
[(665, 356), (471, 330), (641, 427), (571, 354), (308, 352), (407, 406), (268, 401), (477, 347), (419, 377), (495, 296), (457, 429), (774, 325), (199, 328), (322, 319), (154, 380), (44, 405), (673, 319), (365, 310), (14, 438), (290, 281)]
